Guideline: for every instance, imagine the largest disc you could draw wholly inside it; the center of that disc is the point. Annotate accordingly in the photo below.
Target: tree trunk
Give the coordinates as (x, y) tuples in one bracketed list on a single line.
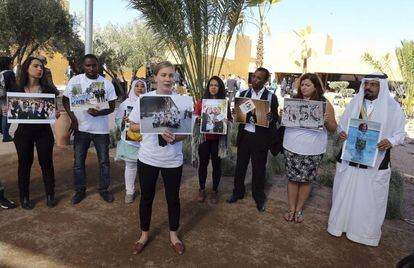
[(259, 51)]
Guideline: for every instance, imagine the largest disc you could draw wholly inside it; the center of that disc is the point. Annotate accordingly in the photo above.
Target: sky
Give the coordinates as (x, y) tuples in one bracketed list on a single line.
[(379, 22)]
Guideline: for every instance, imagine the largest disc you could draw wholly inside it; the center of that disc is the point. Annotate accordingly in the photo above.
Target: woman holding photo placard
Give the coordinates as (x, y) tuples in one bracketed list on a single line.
[(28, 136), (159, 153), (210, 146), (304, 148)]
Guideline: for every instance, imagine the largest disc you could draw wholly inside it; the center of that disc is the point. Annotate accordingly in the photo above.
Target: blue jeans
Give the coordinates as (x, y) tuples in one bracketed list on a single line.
[(81, 145), (5, 127)]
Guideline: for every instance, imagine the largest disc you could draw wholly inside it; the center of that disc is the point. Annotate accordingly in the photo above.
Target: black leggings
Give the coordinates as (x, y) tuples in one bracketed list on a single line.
[(26, 137), (148, 179), (205, 150)]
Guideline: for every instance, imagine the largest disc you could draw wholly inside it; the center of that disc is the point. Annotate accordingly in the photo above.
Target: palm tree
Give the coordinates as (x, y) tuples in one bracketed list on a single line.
[(306, 50), (263, 8), (405, 55), (195, 32)]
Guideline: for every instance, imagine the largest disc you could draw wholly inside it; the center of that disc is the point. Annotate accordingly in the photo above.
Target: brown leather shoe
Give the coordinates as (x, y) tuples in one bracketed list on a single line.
[(201, 196), (214, 198), (178, 247), (138, 248)]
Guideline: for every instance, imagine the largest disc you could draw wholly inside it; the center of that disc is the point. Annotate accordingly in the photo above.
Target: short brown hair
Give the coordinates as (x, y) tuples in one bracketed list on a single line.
[(161, 65)]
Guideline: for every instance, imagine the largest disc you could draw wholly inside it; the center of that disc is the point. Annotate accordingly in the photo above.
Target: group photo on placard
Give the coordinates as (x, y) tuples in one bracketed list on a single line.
[(252, 111), (31, 108), (166, 112), (361, 145), (303, 113), (93, 96), (214, 116)]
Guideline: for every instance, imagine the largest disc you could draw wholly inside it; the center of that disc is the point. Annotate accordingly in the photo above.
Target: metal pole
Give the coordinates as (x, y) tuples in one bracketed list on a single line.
[(88, 26)]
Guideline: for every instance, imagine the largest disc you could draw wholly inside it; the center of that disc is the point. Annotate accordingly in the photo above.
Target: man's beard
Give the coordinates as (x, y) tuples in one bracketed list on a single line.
[(370, 97)]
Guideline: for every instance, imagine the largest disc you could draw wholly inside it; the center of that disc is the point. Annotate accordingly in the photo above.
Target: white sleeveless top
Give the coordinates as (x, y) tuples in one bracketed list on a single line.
[(305, 141)]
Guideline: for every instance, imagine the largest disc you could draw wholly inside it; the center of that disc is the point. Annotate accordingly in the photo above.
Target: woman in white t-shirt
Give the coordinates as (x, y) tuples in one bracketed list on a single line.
[(304, 148), (159, 153)]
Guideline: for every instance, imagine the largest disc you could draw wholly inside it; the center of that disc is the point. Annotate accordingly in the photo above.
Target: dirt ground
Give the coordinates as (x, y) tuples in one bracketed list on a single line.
[(97, 234)]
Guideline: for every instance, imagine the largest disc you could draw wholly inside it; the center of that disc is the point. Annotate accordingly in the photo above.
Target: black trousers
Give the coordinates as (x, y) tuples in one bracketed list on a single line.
[(26, 137), (252, 148), (207, 150), (148, 179)]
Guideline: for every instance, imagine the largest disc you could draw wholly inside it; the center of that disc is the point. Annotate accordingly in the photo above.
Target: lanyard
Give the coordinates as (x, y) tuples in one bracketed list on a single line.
[(364, 113)]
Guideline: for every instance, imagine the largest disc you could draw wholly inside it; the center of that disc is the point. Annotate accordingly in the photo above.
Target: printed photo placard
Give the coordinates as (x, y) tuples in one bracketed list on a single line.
[(361, 145), (214, 116), (300, 113), (94, 96), (252, 111), (173, 112), (31, 108)]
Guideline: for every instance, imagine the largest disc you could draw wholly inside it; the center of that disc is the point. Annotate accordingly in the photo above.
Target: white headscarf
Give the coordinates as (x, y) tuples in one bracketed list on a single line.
[(132, 98), (386, 110)]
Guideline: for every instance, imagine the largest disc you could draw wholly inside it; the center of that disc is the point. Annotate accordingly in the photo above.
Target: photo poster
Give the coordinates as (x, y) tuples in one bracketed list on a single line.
[(31, 108), (125, 125), (93, 96), (361, 145), (252, 111), (213, 115), (300, 113), (161, 112)]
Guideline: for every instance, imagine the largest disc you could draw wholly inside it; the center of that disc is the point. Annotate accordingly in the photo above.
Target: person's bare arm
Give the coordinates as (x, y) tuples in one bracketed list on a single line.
[(74, 121), (330, 121)]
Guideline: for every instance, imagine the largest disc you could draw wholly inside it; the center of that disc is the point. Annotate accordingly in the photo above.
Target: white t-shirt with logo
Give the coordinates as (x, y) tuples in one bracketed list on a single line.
[(87, 122), (150, 152)]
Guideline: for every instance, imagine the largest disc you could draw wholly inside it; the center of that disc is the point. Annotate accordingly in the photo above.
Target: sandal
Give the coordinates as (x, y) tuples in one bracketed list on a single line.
[(299, 217), (289, 216)]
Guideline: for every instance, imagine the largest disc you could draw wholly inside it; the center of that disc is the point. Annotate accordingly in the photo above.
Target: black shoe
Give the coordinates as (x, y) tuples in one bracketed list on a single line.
[(26, 204), (107, 196), (7, 204), (261, 207), (78, 197), (51, 201), (233, 199)]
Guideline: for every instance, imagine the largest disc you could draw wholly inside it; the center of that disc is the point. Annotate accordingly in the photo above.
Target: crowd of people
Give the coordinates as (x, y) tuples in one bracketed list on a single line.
[(355, 194)]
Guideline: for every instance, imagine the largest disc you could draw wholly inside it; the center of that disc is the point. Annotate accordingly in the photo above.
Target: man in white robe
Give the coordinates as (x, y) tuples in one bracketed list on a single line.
[(360, 193)]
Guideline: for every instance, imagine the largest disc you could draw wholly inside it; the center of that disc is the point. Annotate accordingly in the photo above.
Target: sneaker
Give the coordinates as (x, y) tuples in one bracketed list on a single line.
[(7, 204), (129, 198), (78, 197), (107, 196)]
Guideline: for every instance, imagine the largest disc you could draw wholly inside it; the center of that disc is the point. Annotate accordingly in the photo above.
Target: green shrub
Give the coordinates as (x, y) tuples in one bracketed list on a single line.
[(187, 150), (114, 137), (395, 196), (234, 131), (228, 167), (276, 164), (326, 175)]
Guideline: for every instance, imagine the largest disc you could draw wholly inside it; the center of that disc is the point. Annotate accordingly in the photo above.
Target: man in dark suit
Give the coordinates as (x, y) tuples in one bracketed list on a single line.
[(253, 143), (232, 87)]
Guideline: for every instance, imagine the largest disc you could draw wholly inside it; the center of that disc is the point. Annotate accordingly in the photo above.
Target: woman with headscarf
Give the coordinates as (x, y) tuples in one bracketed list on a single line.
[(127, 148)]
